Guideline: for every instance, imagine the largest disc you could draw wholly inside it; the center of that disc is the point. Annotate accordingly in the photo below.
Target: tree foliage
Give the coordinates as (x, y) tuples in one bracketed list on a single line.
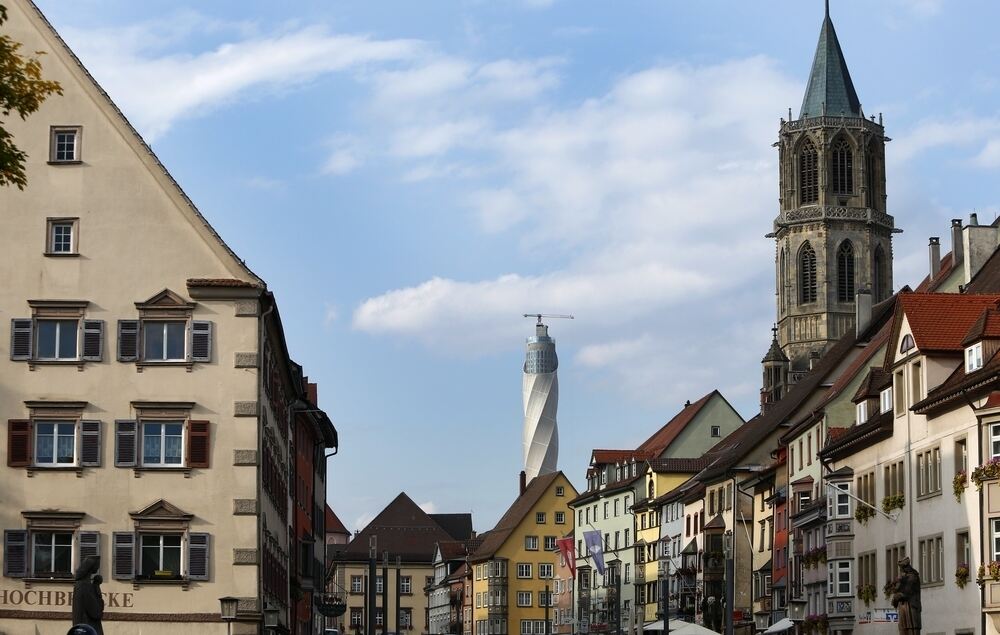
[(22, 91)]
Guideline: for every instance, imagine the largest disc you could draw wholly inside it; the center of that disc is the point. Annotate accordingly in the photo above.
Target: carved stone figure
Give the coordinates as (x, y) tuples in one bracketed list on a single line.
[(906, 598), (88, 606)]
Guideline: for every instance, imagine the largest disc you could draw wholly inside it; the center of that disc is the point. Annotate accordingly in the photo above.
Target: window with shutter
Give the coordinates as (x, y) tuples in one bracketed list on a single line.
[(90, 544), (19, 443), (198, 443), (90, 443), (128, 340), (198, 557), (21, 338), (93, 340), (125, 443), (201, 341), (15, 553), (123, 556)]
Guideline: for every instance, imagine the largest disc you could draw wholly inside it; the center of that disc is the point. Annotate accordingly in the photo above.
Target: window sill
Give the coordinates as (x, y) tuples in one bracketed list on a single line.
[(139, 471), (931, 585), (930, 495), (140, 365), (74, 162), (79, 363), (136, 583), (28, 582), (56, 468)]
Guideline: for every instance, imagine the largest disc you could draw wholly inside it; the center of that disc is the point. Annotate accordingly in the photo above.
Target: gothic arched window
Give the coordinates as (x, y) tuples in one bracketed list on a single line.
[(845, 272), (843, 168), (782, 276), (808, 174), (871, 178), (807, 274), (878, 274)]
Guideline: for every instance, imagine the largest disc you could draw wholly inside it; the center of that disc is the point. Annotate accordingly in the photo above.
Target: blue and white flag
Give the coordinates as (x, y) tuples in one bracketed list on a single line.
[(595, 547)]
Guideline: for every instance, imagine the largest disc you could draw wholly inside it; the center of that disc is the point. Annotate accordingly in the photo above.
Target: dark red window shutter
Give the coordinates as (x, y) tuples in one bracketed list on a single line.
[(19, 443), (199, 446)]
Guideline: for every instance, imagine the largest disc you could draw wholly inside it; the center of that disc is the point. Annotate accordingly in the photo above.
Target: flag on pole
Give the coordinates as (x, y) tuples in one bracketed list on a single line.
[(595, 547), (568, 551)]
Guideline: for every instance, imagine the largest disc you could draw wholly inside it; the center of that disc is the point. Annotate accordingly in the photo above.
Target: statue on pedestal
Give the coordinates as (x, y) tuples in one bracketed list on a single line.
[(906, 598)]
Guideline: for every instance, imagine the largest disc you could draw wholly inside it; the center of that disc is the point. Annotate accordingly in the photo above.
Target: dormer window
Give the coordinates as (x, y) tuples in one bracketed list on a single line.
[(885, 400), (862, 412), (974, 357)]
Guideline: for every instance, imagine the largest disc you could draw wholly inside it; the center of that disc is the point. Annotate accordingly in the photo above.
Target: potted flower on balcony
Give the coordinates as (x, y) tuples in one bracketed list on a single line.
[(809, 624), (959, 484), (822, 623), (962, 575), (863, 513), (888, 589), (986, 472), (866, 593), (892, 502)]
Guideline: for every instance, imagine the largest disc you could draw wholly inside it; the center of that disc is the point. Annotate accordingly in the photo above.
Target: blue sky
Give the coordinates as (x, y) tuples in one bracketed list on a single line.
[(410, 177)]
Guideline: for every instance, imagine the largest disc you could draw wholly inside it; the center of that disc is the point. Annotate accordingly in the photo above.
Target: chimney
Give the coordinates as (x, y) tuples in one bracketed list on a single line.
[(862, 310), (957, 247), (974, 219), (312, 393), (978, 244), (524, 482), (934, 252)]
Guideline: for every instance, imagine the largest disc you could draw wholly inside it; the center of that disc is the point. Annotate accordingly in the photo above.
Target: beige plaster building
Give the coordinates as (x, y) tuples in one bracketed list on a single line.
[(146, 391)]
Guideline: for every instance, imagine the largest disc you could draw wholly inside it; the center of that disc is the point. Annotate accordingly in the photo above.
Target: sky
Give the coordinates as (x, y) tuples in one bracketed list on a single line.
[(411, 177)]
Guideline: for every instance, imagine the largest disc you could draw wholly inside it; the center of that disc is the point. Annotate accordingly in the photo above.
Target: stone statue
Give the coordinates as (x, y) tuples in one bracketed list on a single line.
[(906, 598), (88, 605)]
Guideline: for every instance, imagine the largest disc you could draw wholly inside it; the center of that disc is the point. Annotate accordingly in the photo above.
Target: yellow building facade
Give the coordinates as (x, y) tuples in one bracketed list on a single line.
[(518, 559)]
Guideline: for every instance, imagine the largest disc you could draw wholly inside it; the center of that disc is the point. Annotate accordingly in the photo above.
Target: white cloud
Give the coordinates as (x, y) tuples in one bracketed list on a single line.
[(156, 89), (330, 314), (428, 507), (345, 155)]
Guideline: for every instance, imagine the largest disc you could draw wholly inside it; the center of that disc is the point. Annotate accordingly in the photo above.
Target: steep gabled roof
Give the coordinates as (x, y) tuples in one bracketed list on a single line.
[(830, 90), (987, 327), (662, 438), (927, 284), (458, 526), (601, 457), (402, 529), (333, 524), (520, 508), (987, 279), (961, 382), (677, 466), (940, 321), (873, 384)]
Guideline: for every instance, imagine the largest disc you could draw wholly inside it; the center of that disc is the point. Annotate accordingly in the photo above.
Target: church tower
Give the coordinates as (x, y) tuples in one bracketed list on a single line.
[(833, 234)]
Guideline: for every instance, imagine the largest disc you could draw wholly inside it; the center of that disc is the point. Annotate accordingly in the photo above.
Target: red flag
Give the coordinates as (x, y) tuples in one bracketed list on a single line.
[(568, 551)]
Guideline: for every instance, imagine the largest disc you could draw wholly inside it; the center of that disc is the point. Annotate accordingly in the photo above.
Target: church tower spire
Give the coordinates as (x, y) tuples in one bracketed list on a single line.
[(833, 235)]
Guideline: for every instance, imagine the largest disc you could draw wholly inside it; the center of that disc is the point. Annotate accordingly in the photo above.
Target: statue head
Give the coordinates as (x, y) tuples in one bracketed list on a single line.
[(89, 566)]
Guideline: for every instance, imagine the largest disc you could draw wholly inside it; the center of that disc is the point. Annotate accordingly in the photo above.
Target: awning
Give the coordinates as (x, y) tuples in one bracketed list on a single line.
[(780, 626), (654, 626), (678, 627)]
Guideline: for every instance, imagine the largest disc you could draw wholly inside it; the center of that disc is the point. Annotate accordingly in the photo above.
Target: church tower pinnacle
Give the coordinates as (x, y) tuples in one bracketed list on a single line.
[(833, 235)]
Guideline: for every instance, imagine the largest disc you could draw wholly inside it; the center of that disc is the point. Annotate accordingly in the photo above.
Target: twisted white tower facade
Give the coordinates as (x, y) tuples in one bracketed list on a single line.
[(540, 391)]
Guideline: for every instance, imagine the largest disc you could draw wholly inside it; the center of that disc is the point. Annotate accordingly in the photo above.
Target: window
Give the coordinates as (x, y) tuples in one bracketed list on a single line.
[(626, 537), (893, 555), (560, 490), (716, 431), (57, 339), (807, 274), (916, 389), (405, 585), (994, 440), (893, 477), (405, 617), (845, 272), (540, 518), (163, 341), (961, 456), (51, 554), (357, 584), (546, 599), (357, 616), (524, 598), (931, 560), (929, 472), (866, 488), (160, 556), (605, 510), (808, 174), (618, 536), (867, 571), (839, 580), (885, 400), (524, 570), (995, 538), (963, 549), (974, 357), (839, 500), (560, 518), (531, 543), (545, 570), (899, 390), (843, 168), (162, 444), (55, 443), (550, 543), (526, 627), (60, 236), (879, 283), (862, 409), (65, 145)]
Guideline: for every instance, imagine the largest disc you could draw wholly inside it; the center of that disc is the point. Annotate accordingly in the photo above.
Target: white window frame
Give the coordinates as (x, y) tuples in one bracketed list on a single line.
[(59, 322), (360, 579), (55, 443), (840, 578), (995, 537), (54, 133), (974, 357), (885, 400), (186, 336), (524, 598), (182, 551), (142, 443), (524, 570), (539, 518), (406, 584), (560, 518), (862, 412), (73, 546), (531, 543), (545, 570), (716, 431), (994, 440), (52, 224)]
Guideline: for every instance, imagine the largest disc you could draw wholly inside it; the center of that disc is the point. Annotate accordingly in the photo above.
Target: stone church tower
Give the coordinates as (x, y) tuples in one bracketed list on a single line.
[(833, 235)]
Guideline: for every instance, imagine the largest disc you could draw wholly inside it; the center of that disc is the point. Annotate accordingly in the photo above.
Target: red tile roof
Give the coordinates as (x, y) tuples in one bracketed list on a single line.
[(986, 327), (663, 437), (690, 466), (832, 434), (947, 264), (333, 524), (940, 321), (521, 507), (221, 282), (599, 457)]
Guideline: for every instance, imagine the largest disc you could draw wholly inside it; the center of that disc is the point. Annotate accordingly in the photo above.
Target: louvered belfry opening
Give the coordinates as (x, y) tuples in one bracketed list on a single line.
[(845, 272), (807, 274), (808, 174), (842, 162)]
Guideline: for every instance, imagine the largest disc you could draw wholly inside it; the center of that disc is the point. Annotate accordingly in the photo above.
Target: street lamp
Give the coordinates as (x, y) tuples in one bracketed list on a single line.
[(227, 609), (271, 619)]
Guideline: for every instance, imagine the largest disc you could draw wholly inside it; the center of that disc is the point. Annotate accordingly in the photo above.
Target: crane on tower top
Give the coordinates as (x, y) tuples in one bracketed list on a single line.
[(548, 315)]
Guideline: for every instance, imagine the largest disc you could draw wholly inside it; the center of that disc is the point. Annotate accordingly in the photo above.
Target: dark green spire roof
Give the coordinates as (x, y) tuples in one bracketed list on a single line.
[(830, 82)]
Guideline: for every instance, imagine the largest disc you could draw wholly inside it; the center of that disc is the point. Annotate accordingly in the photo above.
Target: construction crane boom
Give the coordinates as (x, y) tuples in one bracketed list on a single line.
[(548, 315)]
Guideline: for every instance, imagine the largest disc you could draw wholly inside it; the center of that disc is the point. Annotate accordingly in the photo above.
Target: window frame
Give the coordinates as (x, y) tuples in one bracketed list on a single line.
[(54, 132), (531, 543), (59, 322), (885, 400), (524, 570), (140, 549), (141, 458), (73, 546), (973, 358), (50, 234), (55, 422), (560, 518), (543, 567), (165, 345)]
